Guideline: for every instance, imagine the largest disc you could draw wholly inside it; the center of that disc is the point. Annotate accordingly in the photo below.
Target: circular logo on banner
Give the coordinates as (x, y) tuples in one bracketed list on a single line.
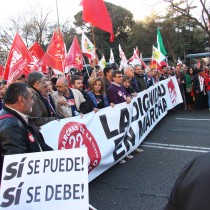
[(76, 135)]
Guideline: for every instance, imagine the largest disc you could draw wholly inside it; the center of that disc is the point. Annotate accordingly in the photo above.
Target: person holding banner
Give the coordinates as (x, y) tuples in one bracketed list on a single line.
[(67, 100), (116, 92), (41, 112), (16, 134)]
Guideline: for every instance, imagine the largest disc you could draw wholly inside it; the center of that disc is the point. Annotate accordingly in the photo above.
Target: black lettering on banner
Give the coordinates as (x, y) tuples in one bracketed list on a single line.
[(134, 118), (30, 195), (49, 192), (67, 192), (57, 192), (145, 102), (152, 117), (164, 104), (33, 165), (124, 120), (46, 164), (161, 90), (141, 132), (76, 191), (8, 195), (156, 112), (160, 108), (11, 169), (69, 164), (63, 192), (140, 106), (109, 134), (37, 193), (77, 164), (118, 145), (130, 138), (147, 121), (61, 165)]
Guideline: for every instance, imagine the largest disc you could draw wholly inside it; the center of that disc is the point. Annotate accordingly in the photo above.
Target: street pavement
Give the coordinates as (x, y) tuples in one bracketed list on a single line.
[(145, 182)]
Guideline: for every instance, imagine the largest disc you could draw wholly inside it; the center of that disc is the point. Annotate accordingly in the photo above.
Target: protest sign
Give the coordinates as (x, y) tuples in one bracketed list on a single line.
[(45, 180)]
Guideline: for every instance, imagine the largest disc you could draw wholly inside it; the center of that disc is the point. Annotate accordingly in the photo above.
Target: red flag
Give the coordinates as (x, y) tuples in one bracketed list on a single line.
[(74, 57), (19, 61), (55, 53), (1, 71), (37, 54), (95, 12)]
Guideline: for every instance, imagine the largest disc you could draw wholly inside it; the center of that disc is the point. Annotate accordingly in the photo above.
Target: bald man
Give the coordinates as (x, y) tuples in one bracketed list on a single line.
[(67, 100)]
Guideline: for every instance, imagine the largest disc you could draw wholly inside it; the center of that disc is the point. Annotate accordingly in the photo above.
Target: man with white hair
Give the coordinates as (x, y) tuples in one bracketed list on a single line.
[(129, 71)]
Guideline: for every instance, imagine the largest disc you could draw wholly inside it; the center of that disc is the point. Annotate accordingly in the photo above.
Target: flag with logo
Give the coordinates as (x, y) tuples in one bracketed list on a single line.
[(74, 57), (160, 45), (102, 62), (95, 12), (87, 47), (124, 61), (37, 54), (135, 59), (157, 55), (55, 53), (19, 60), (111, 59)]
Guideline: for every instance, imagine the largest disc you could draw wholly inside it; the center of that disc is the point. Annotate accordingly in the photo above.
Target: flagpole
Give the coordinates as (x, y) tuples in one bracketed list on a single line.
[(94, 41), (57, 14)]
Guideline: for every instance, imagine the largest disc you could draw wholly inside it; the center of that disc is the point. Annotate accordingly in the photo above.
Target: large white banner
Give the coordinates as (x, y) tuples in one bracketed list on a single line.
[(45, 180), (112, 133)]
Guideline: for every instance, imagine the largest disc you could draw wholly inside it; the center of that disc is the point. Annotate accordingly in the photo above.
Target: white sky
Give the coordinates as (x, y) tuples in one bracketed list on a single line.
[(68, 8)]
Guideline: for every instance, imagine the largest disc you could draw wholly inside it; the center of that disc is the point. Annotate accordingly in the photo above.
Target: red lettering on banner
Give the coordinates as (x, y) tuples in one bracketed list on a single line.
[(76, 135)]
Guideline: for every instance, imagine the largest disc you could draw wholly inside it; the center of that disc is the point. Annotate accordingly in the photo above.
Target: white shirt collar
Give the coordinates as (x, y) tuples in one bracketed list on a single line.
[(25, 117)]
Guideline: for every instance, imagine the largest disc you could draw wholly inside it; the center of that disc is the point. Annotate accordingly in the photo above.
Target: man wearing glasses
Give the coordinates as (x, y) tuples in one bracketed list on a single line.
[(41, 110), (116, 93)]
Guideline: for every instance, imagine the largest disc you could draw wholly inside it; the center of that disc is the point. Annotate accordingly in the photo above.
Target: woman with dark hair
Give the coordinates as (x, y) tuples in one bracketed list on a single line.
[(189, 88), (98, 95)]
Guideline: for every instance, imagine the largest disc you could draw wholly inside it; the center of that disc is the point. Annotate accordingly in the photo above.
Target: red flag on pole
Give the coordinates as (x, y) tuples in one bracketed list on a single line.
[(95, 12), (74, 57), (37, 54), (55, 53), (19, 61), (1, 71)]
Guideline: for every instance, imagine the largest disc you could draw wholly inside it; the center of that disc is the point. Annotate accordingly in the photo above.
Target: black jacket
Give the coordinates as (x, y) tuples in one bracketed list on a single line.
[(17, 136), (192, 188)]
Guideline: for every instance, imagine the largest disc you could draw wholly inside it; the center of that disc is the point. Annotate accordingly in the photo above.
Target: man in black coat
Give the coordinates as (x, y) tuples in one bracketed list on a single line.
[(17, 136), (192, 188)]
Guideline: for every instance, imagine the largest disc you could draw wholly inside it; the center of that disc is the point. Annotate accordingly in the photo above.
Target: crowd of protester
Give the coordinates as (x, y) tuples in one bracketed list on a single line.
[(79, 92)]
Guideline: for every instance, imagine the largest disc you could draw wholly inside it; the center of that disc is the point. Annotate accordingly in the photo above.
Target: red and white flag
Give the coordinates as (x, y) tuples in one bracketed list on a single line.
[(87, 47), (55, 53), (19, 61), (124, 61), (37, 54), (74, 57), (111, 60), (95, 12)]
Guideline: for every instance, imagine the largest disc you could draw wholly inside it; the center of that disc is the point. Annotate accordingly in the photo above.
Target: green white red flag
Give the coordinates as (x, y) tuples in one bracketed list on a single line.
[(160, 45)]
